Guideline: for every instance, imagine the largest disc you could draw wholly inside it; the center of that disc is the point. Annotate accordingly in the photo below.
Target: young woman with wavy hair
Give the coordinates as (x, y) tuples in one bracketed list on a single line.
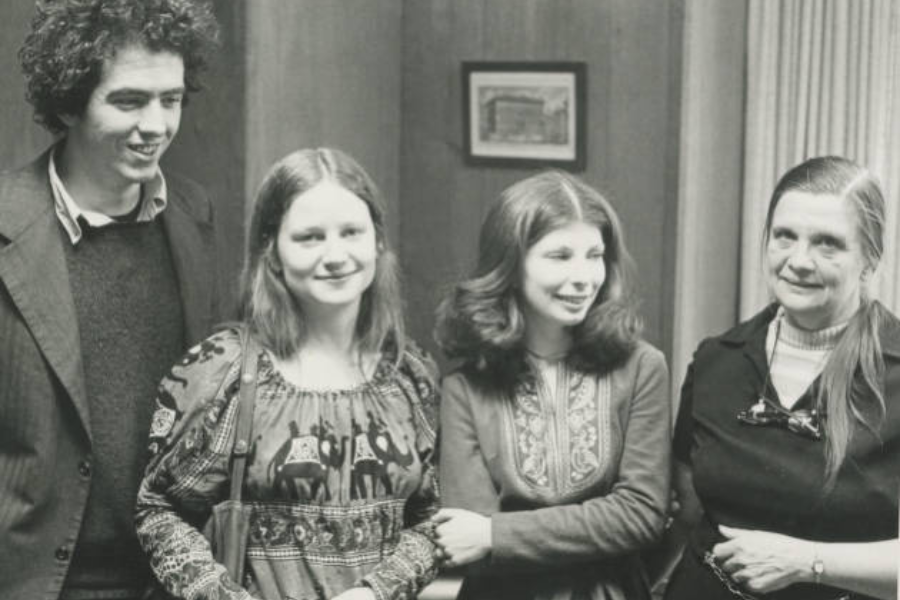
[(555, 429)]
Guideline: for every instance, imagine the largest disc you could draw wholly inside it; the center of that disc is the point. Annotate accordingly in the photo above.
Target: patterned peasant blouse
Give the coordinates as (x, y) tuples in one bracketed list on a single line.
[(341, 482)]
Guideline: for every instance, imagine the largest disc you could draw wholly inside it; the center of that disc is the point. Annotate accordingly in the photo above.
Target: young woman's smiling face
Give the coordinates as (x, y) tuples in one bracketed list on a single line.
[(327, 248), (561, 276), (815, 261)]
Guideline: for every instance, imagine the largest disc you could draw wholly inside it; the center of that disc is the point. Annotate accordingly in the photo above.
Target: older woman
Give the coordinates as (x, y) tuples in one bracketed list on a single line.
[(789, 427), (340, 476), (555, 431)]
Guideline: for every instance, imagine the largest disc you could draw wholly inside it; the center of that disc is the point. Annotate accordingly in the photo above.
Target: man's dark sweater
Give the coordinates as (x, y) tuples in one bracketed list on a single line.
[(132, 330)]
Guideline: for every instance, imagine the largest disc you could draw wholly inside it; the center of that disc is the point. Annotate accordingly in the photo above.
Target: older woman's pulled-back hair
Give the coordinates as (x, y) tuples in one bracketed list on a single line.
[(844, 397), (63, 56), (268, 306), (482, 322)]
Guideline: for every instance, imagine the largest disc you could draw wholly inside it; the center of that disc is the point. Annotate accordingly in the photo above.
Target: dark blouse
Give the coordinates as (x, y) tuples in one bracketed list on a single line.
[(771, 479), (341, 482)]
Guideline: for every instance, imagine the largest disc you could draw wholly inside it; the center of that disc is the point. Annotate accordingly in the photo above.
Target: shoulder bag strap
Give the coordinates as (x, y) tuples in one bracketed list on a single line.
[(244, 416)]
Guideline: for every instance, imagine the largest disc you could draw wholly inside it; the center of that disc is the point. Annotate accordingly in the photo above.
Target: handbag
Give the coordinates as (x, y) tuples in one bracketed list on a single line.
[(229, 525)]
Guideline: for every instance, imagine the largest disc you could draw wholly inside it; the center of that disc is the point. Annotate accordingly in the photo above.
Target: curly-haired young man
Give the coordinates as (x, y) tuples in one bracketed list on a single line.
[(106, 275)]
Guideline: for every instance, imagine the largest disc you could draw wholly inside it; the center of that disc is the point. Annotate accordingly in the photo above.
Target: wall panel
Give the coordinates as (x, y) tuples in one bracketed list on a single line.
[(210, 144), (325, 73), (20, 138)]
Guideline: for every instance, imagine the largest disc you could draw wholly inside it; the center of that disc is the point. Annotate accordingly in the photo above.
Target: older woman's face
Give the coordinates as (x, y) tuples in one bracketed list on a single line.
[(815, 261)]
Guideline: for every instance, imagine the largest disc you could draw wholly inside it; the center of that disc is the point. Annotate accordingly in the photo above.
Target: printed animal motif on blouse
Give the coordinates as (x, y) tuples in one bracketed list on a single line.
[(341, 482), (319, 456), (309, 456), (167, 412)]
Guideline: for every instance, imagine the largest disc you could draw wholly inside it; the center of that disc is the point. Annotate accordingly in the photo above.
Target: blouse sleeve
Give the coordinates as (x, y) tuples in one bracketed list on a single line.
[(412, 565), (190, 444), (631, 516)]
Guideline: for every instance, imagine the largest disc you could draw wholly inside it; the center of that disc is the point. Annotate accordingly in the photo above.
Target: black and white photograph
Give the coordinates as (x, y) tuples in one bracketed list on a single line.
[(449, 299)]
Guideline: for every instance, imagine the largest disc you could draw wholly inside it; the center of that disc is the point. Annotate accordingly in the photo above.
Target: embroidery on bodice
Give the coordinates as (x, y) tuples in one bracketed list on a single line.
[(560, 441)]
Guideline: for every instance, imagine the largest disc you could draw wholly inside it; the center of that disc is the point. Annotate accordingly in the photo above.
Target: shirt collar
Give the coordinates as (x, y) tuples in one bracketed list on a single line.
[(154, 198)]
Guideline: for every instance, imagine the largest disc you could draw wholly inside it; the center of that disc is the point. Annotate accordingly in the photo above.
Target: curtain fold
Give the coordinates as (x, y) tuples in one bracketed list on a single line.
[(823, 77)]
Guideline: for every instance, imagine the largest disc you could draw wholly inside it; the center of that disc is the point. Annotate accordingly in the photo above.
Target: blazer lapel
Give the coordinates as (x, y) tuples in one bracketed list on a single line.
[(33, 270), (192, 242), (751, 338)]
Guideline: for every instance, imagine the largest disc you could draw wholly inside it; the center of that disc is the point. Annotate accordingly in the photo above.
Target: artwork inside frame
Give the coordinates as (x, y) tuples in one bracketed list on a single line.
[(524, 114)]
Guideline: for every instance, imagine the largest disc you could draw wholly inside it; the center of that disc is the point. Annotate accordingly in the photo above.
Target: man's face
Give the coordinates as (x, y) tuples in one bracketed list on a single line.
[(130, 118)]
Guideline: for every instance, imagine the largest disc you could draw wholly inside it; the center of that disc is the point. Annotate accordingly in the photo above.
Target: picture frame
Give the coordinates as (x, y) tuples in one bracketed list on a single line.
[(524, 114)]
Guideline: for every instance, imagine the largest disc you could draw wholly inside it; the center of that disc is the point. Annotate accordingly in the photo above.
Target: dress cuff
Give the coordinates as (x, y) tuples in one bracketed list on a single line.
[(372, 582), (406, 572), (501, 532)]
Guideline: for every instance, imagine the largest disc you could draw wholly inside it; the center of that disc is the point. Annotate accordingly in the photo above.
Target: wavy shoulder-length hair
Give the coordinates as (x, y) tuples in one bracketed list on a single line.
[(482, 322), (268, 306), (851, 385)]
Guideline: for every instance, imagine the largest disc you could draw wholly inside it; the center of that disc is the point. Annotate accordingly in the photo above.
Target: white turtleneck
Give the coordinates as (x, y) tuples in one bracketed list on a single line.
[(797, 356)]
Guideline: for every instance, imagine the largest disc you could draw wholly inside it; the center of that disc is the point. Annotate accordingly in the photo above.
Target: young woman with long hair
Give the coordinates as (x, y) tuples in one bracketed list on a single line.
[(340, 478), (555, 429)]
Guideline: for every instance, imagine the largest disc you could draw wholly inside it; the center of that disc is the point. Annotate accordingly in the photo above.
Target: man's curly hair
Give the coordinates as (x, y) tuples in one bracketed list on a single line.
[(63, 56)]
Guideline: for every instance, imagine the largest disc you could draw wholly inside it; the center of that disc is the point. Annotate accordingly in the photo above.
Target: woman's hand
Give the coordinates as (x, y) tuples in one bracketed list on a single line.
[(464, 536), (763, 562), (357, 593)]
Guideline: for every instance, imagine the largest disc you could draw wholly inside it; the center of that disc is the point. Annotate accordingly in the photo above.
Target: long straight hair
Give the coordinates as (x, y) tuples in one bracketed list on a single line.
[(268, 306), (845, 397)]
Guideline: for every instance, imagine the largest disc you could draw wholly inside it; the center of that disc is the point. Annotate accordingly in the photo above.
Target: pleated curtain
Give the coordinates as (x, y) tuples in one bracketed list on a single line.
[(823, 77)]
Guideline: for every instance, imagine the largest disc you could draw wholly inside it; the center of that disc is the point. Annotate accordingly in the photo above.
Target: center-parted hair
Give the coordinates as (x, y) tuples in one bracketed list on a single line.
[(851, 388), (268, 306), (481, 321)]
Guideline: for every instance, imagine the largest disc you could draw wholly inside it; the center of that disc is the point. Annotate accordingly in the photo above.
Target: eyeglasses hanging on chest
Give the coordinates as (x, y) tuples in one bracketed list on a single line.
[(805, 422), (765, 412)]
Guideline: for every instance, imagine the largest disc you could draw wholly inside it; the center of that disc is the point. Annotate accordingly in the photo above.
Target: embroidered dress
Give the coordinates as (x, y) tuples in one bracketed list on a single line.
[(341, 482), (573, 469)]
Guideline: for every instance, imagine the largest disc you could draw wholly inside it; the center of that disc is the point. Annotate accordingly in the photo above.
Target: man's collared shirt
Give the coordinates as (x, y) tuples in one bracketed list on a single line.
[(153, 201)]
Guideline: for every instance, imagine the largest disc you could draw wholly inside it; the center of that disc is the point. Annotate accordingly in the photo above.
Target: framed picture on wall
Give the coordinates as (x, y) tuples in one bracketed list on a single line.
[(524, 114)]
